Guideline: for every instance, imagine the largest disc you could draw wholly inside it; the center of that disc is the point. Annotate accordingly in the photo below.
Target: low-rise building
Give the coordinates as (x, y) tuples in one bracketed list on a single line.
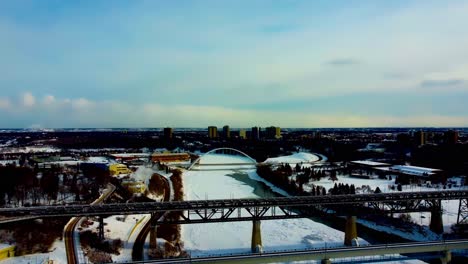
[(170, 157), (119, 169)]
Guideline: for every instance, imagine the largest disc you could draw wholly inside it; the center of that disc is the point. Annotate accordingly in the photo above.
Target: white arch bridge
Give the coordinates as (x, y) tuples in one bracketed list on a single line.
[(246, 163)]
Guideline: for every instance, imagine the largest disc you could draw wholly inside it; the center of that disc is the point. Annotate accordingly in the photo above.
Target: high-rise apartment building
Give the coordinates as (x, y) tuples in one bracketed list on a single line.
[(451, 137), (212, 132), (420, 138), (226, 132), (256, 132), (243, 134), (273, 132), (168, 132)]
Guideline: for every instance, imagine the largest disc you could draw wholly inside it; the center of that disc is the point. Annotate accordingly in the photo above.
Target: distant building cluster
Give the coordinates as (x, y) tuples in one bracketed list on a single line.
[(255, 133), (422, 137)]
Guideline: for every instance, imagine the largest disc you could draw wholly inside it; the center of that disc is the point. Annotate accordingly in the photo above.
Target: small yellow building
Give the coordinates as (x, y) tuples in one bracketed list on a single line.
[(7, 251), (119, 169)]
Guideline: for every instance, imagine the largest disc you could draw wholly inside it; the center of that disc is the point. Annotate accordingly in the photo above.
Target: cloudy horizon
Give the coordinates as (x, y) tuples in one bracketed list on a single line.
[(243, 63)]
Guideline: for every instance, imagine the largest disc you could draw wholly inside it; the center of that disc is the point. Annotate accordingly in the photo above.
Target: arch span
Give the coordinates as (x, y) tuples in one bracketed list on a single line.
[(197, 161)]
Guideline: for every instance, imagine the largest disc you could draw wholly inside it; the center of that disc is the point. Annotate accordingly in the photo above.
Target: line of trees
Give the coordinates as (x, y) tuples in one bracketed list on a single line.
[(281, 177), (343, 189)]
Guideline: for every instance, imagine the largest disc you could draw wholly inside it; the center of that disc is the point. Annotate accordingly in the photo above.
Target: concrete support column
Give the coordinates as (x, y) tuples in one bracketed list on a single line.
[(436, 224), (101, 228), (256, 237), (447, 257), (350, 230), (153, 236)]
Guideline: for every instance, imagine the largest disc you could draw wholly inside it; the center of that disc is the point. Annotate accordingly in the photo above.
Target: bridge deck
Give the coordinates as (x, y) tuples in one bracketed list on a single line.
[(399, 198), (329, 253)]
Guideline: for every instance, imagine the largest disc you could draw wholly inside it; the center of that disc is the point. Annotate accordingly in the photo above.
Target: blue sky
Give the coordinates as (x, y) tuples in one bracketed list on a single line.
[(243, 63)]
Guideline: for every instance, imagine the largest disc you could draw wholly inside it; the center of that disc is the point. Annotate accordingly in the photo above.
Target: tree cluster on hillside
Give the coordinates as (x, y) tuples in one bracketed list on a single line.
[(25, 185), (281, 177), (341, 188)]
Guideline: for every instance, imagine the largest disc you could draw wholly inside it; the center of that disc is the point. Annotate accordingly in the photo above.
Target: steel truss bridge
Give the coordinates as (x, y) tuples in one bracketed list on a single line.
[(227, 210)]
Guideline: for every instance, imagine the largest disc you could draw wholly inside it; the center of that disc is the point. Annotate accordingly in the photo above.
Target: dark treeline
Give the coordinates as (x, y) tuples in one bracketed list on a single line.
[(24, 186), (281, 177)]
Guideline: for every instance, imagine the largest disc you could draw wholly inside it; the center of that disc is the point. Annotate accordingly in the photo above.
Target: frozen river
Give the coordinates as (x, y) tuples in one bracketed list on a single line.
[(235, 237)]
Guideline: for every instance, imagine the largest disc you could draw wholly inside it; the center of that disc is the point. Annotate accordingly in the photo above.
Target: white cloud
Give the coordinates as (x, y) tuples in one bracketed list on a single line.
[(49, 99), (5, 103), (28, 100), (83, 112), (82, 104)]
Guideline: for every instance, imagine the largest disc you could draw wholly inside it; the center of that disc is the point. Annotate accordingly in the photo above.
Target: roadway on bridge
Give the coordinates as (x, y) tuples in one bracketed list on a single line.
[(69, 230), (137, 251), (329, 253)]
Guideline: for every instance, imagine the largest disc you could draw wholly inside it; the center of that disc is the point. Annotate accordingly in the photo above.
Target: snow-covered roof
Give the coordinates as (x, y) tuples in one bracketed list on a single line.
[(97, 160), (370, 163), (300, 157), (414, 170), (130, 155)]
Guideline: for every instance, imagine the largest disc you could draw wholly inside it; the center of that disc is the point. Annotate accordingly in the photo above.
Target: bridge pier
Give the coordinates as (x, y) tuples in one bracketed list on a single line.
[(447, 257), (153, 236), (436, 224), (256, 237), (101, 228), (350, 230)]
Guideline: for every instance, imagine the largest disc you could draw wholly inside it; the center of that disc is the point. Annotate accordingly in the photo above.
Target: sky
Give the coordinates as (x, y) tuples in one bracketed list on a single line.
[(242, 63)]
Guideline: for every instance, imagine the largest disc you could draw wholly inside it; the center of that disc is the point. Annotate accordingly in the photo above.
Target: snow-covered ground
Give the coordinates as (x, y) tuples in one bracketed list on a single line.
[(57, 254), (300, 157), (32, 149), (125, 228)]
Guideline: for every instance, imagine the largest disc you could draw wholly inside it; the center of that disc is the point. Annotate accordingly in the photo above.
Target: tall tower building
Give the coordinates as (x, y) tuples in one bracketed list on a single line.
[(243, 134), (451, 137), (168, 132), (226, 132), (212, 132), (420, 138), (273, 132), (255, 133)]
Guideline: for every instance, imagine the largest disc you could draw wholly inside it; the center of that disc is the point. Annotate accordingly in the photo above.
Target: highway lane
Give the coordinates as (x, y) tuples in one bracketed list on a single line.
[(137, 251), (327, 253), (71, 242)]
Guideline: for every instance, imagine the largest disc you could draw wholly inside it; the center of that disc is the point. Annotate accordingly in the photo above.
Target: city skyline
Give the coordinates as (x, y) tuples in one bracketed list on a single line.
[(247, 63)]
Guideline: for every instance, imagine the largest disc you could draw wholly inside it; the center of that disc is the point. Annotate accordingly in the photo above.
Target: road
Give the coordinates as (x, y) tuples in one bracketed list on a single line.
[(69, 230), (329, 253), (137, 251)]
